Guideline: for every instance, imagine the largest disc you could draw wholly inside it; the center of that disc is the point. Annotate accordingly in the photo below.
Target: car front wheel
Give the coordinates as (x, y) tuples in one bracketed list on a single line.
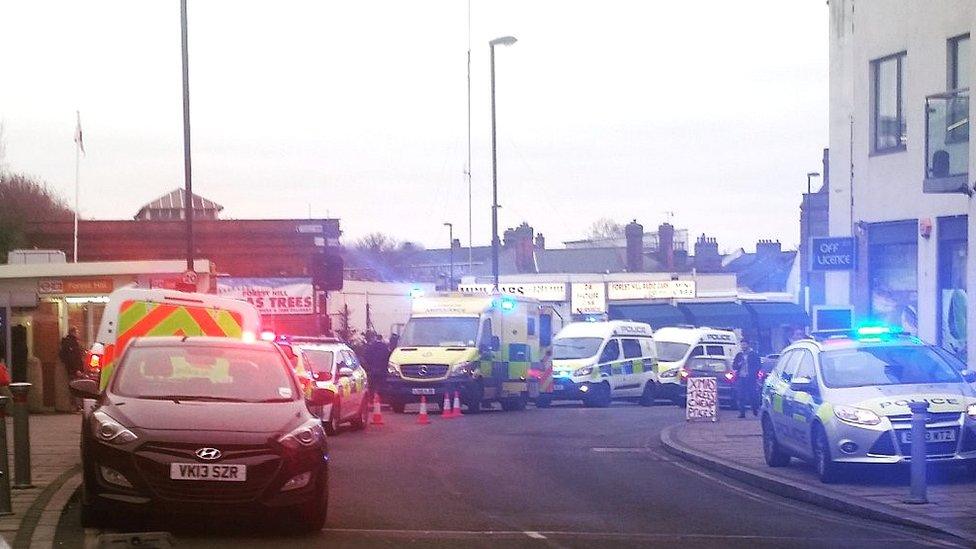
[(335, 418), (772, 451), (827, 469)]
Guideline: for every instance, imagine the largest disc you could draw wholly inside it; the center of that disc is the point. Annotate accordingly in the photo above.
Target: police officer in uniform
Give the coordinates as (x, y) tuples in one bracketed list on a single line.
[(747, 365)]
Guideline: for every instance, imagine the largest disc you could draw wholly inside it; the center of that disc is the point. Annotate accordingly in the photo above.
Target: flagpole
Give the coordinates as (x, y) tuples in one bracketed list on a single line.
[(77, 186)]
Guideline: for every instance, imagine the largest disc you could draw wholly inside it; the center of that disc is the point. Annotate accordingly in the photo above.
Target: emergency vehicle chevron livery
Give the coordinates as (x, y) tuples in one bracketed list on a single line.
[(133, 312), (492, 347)]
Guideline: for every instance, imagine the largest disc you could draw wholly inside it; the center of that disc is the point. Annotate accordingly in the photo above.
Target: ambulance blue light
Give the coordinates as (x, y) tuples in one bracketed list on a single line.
[(416, 292), (507, 304)]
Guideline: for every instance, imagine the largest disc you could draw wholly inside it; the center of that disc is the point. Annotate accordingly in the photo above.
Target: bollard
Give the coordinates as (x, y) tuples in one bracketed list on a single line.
[(22, 457), (919, 486), (5, 508)]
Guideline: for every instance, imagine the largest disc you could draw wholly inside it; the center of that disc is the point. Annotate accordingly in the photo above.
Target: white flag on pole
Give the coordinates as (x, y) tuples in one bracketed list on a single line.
[(78, 138)]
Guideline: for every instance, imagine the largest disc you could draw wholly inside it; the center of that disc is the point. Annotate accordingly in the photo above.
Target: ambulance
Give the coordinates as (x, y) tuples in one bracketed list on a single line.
[(677, 345), (597, 362), (487, 347), (139, 312)]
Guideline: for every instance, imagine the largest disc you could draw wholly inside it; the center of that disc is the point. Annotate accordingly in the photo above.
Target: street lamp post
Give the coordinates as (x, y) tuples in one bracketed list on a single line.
[(187, 172), (450, 240), (502, 41), (805, 238)]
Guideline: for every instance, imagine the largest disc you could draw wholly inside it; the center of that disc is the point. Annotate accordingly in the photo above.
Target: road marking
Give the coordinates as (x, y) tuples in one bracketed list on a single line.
[(620, 450), (535, 535)]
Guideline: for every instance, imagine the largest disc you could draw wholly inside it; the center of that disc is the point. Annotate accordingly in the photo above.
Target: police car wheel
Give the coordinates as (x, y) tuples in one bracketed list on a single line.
[(772, 451), (649, 396), (332, 425), (827, 470), (362, 419)]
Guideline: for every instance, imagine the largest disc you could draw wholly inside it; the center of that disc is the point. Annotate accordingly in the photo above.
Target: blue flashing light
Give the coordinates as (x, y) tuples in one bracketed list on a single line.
[(507, 304), (868, 331), (416, 292)]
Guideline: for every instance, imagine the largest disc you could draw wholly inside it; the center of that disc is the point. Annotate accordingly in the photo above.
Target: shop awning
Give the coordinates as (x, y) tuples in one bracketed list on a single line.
[(718, 315), (777, 314), (657, 315)]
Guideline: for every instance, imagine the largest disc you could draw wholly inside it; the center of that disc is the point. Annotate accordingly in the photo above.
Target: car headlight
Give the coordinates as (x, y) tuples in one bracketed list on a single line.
[(584, 371), (971, 411), (108, 430), (673, 372), (393, 369), (464, 369), (306, 435), (859, 416)]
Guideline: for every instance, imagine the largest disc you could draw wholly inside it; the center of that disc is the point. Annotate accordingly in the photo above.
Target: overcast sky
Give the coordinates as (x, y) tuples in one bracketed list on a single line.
[(714, 110)]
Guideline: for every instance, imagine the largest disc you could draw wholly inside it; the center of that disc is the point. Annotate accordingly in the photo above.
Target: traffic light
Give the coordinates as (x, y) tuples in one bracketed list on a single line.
[(326, 271)]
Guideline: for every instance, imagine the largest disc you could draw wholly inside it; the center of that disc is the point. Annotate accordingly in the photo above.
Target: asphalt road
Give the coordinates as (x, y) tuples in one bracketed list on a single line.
[(564, 477)]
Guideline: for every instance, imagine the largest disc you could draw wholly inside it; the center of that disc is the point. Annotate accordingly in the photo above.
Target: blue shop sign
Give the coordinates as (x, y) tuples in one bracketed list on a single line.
[(835, 253)]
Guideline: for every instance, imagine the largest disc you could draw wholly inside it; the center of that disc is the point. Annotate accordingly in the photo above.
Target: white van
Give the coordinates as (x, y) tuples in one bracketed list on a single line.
[(675, 345), (599, 361)]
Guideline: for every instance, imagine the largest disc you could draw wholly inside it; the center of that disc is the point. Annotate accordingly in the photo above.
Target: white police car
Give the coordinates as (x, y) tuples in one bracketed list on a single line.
[(599, 361), (844, 399)]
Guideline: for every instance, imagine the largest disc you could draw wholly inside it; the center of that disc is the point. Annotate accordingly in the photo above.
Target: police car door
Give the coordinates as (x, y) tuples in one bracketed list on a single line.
[(777, 389), (632, 368), (610, 367), (801, 404)]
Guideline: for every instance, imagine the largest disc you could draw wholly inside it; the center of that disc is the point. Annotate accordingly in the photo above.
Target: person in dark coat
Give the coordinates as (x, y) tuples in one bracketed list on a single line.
[(71, 354), (747, 365), (376, 356)]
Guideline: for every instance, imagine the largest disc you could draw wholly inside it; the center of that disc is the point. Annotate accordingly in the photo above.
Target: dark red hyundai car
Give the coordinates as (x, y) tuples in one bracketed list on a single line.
[(203, 426)]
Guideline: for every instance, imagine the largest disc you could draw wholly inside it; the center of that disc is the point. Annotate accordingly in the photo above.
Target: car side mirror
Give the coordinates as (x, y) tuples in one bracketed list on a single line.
[(969, 376), (84, 388), (320, 397), (803, 384), (345, 371)]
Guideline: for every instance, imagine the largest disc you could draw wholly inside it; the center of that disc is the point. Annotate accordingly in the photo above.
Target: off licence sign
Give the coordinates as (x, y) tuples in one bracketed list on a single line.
[(832, 253)]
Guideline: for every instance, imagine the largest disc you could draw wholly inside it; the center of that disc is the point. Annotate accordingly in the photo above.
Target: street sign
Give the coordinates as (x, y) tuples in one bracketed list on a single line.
[(702, 397), (652, 289), (543, 291), (189, 277), (588, 298), (832, 253)]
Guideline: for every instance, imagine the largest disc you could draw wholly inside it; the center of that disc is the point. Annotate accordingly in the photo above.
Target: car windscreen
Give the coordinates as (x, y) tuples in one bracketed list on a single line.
[(440, 332), (886, 365), (568, 348), (670, 351), (185, 372), (318, 360)]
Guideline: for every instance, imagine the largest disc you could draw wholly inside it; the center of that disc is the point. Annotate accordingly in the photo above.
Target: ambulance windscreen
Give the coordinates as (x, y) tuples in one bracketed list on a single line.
[(440, 332), (569, 348)]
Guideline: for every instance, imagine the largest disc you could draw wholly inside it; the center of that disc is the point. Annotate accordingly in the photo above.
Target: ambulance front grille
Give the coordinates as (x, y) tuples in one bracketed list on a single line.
[(423, 371)]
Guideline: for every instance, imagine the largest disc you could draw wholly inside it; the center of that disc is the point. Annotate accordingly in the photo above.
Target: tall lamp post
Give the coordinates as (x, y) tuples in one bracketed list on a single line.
[(187, 172), (502, 41), (450, 240), (805, 238)]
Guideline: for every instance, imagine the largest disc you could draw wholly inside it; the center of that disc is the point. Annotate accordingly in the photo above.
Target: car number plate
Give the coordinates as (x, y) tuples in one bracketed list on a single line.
[(424, 391), (208, 471), (938, 435)]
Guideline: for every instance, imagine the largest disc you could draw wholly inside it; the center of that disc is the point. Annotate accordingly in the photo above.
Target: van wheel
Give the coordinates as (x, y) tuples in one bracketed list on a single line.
[(772, 451), (827, 469), (332, 425), (599, 396), (543, 401), (472, 400), (649, 395)]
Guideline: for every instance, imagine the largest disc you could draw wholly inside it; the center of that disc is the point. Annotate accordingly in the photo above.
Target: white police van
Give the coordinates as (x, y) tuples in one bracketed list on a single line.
[(677, 345), (599, 361)]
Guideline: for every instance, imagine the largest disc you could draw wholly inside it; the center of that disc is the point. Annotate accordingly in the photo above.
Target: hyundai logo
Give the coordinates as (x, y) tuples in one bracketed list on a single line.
[(208, 454), (422, 371)]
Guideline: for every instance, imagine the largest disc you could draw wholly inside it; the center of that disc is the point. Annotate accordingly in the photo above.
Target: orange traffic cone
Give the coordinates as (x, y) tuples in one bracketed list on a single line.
[(377, 414), (422, 419), (446, 411), (457, 404)]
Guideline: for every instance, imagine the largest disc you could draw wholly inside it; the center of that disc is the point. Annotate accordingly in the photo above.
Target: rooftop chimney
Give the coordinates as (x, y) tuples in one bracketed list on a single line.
[(521, 240), (540, 242), (768, 248), (665, 246), (707, 258), (634, 232)]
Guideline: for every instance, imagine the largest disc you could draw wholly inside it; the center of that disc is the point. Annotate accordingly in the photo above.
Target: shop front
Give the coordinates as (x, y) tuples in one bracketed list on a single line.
[(893, 274), (952, 298)]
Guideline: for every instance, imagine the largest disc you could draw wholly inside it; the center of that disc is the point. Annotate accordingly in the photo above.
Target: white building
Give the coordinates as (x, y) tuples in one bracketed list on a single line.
[(901, 161)]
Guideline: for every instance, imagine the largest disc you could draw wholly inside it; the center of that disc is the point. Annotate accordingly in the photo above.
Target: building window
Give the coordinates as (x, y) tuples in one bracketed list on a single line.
[(958, 72), (888, 120), (893, 274), (952, 298)]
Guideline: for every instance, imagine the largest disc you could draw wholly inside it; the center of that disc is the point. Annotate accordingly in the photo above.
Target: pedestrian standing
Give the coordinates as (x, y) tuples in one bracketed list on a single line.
[(377, 356), (72, 357), (747, 365)]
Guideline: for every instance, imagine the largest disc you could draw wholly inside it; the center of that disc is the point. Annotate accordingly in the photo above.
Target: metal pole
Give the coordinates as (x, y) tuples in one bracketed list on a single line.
[(5, 507), (470, 211), (22, 457), (77, 186), (8, 337), (450, 238), (494, 179), (919, 486), (187, 171)]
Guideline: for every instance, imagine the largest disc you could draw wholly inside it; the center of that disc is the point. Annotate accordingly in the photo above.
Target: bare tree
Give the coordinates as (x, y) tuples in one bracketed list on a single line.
[(605, 229), (23, 199), (385, 257)]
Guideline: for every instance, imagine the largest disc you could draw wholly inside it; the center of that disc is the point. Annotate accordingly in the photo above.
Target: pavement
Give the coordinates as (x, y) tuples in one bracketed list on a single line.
[(733, 446), (563, 477), (54, 474)]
